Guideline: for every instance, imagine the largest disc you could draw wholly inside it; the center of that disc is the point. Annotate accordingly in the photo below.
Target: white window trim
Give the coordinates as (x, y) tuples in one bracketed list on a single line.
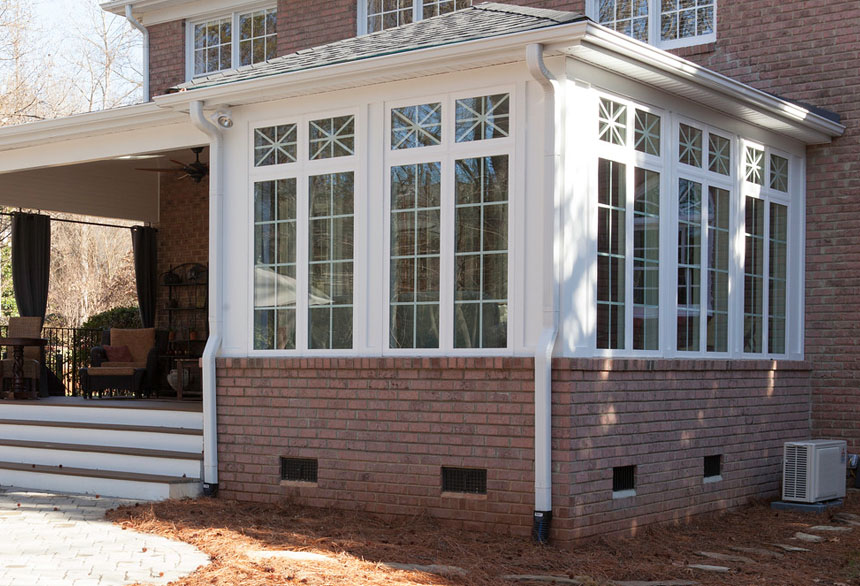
[(302, 170), (672, 170), (361, 20), (234, 46), (654, 12), (447, 153)]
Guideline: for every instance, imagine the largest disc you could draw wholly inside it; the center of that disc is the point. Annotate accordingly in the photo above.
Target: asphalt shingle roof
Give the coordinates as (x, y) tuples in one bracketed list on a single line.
[(481, 21)]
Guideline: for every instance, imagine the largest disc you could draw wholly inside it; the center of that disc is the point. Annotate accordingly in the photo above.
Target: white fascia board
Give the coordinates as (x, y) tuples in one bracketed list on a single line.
[(810, 127), (86, 125)]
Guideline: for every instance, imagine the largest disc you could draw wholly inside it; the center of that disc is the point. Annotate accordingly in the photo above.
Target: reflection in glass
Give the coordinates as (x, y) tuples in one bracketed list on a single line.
[(689, 264), (753, 275), (330, 263), (778, 278), (611, 261), (415, 252), (481, 253), (646, 260)]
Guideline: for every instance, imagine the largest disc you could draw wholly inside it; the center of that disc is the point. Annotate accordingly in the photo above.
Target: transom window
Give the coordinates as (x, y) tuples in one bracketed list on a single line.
[(664, 23), (700, 208), (377, 15), (213, 46)]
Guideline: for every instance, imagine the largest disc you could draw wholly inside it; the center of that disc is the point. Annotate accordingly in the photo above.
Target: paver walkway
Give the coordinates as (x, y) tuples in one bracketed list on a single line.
[(64, 540)]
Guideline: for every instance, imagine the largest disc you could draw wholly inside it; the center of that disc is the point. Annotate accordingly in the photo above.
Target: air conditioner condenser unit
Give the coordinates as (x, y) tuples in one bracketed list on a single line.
[(814, 470)]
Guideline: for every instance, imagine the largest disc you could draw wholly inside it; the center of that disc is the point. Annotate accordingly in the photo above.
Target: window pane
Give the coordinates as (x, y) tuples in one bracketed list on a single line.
[(483, 118), (385, 14), (686, 19), (415, 254), (436, 7), (481, 274), (753, 275), (611, 260), (778, 278), (689, 145), (646, 260), (274, 264), (719, 154), (416, 126), (330, 267), (612, 122), (626, 16), (754, 166), (275, 145), (718, 270), (332, 137), (257, 31), (647, 133), (779, 173), (689, 264)]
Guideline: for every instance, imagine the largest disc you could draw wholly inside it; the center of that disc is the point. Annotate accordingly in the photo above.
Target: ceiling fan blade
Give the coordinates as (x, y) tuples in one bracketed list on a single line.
[(161, 170)]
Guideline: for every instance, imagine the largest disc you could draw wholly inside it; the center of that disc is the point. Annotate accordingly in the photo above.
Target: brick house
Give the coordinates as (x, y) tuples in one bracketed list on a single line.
[(496, 261)]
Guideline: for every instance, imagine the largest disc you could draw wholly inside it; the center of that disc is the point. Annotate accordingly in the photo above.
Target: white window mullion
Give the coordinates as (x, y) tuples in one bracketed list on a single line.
[(765, 290), (737, 252), (417, 12), (302, 252), (628, 252), (446, 263)]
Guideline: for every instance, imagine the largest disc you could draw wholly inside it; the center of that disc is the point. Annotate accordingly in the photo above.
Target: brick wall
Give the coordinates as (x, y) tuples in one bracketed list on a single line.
[(166, 56), (183, 231), (327, 22), (382, 428)]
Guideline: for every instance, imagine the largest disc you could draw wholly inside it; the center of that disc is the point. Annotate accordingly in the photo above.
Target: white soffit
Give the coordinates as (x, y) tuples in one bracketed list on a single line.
[(621, 55)]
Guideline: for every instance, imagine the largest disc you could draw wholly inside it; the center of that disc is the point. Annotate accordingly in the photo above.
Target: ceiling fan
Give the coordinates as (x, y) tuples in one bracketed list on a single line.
[(195, 171)]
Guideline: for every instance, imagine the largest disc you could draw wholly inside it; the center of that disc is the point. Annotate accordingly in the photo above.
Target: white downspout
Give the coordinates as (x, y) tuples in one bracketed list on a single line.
[(213, 344), (552, 199), (143, 30)]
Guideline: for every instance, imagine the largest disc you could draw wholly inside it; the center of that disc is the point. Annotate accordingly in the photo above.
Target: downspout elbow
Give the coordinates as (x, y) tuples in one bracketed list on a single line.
[(129, 16), (213, 343)]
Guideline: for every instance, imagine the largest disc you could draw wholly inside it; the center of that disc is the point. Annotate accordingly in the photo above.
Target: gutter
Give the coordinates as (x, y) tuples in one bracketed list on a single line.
[(552, 199), (213, 344), (143, 30)]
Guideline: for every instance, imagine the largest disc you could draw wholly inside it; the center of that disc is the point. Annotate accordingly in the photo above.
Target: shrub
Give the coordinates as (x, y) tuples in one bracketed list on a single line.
[(118, 317)]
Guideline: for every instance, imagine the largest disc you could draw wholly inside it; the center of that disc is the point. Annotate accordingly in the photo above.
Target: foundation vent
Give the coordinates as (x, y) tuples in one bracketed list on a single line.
[(713, 466), (623, 479), (464, 480), (299, 469)]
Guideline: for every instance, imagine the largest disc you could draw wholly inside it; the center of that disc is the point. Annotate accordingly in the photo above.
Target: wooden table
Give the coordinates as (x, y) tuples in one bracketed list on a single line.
[(19, 387)]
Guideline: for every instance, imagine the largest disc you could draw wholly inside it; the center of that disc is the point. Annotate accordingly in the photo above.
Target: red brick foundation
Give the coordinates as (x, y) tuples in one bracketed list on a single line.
[(382, 428)]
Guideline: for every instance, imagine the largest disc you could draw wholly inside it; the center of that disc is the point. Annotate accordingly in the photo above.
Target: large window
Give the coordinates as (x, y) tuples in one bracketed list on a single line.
[(457, 170), (664, 23), (214, 45), (628, 227), (765, 311), (702, 216), (377, 15), (304, 191)]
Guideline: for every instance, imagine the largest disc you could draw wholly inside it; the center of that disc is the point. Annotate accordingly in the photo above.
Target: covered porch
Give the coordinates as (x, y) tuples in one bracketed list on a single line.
[(102, 166)]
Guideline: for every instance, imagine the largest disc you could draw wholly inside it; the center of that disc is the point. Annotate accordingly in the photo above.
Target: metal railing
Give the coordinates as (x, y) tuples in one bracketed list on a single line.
[(67, 351)]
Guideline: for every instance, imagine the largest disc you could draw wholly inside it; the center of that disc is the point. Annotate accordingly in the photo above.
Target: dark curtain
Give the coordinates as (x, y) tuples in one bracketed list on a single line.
[(145, 271), (31, 262)]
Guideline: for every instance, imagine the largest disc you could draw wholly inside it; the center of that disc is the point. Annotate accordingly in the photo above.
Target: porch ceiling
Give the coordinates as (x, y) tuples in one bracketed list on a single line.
[(110, 188)]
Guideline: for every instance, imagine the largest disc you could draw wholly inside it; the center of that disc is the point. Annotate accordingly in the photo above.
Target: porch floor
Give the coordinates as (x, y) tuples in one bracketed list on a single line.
[(194, 405)]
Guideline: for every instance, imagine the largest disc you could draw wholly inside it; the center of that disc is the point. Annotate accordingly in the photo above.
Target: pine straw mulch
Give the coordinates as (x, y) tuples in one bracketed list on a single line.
[(361, 543)]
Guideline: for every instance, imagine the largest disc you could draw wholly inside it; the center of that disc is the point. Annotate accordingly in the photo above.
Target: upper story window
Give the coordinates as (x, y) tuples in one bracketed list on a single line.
[(663, 23), (213, 45), (377, 15)]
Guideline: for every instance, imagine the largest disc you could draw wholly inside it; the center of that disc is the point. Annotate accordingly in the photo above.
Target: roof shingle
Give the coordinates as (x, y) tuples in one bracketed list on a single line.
[(482, 21)]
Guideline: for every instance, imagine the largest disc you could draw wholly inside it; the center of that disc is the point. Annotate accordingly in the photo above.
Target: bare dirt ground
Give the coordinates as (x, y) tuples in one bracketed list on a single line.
[(359, 547)]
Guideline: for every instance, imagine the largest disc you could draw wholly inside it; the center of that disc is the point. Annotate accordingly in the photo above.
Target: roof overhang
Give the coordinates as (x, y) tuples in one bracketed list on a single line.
[(151, 12), (584, 41)]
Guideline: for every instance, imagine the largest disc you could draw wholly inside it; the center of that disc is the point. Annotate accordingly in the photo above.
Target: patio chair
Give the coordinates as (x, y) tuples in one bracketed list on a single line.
[(128, 362), (34, 356)]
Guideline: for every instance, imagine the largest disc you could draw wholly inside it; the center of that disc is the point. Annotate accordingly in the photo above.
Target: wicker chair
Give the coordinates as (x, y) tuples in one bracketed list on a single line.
[(137, 373)]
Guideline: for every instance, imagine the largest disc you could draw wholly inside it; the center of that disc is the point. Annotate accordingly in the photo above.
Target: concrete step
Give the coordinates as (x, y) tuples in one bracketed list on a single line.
[(101, 482), (121, 459), (103, 434)]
